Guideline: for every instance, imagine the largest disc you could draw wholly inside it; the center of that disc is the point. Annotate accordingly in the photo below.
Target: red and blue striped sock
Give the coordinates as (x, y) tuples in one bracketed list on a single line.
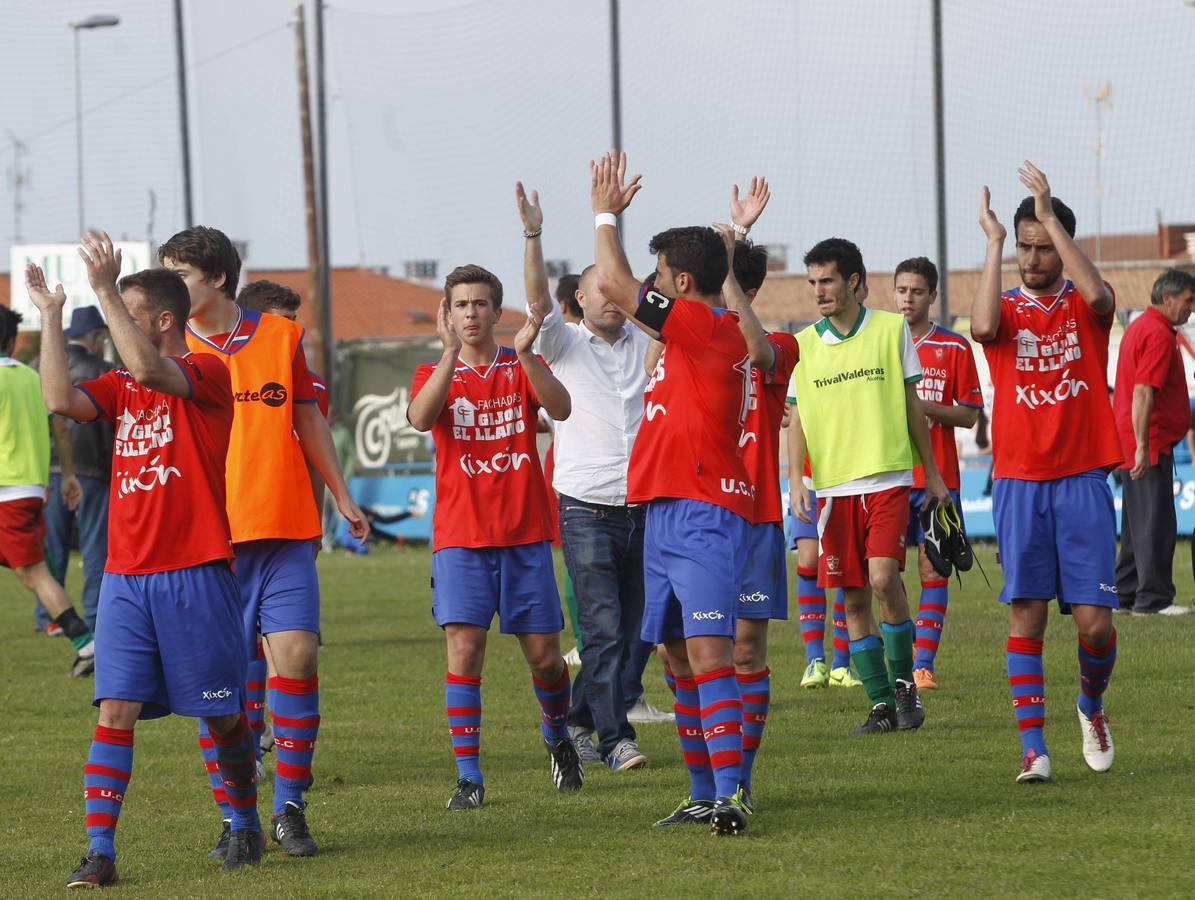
[(755, 689), (811, 604), (237, 758), (722, 722), (462, 700), (842, 641), (1095, 670), (294, 714), (105, 780), (669, 679), (553, 706), (931, 616), (255, 694), (1026, 677), (208, 748), (692, 739)]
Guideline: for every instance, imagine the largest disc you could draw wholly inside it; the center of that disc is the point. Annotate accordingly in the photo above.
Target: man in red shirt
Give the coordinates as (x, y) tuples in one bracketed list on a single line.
[(686, 465), (492, 527), (168, 635), (1152, 415), (1053, 444), (950, 396)]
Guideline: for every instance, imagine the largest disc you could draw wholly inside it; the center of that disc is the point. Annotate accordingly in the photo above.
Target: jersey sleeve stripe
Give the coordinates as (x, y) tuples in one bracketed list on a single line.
[(99, 410), (187, 375)]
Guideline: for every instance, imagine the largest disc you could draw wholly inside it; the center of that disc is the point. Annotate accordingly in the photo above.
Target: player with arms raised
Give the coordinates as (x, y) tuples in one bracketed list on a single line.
[(950, 396), (493, 526), (687, 467), (1053, 442), (169, 621), (764, 593)]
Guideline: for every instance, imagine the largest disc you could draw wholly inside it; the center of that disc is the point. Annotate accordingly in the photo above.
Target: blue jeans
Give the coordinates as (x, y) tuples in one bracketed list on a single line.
[(92, 520), (603, 549)]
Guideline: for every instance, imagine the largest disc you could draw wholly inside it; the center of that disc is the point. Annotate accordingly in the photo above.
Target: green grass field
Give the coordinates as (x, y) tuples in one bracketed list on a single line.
[(932, 813)]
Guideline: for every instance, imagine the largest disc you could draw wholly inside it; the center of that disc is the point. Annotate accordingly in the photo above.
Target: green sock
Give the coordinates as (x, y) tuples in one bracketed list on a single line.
[(868, 656), (570, 603), (898, 645)]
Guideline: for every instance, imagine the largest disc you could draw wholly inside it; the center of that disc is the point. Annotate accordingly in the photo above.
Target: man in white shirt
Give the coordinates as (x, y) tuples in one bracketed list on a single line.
[(600, 361)]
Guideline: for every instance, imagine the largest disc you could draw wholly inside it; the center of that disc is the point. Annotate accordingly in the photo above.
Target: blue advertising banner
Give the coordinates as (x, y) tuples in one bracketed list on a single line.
[(412, 489)]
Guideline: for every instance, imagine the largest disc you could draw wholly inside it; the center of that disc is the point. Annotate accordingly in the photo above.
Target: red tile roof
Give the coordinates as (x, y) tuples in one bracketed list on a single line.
[(367, 303)]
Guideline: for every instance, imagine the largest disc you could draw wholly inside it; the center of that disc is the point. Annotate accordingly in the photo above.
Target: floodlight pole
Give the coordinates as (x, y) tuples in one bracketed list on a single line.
[(88, 23), (184, 123), (940, 169), (615, 84)]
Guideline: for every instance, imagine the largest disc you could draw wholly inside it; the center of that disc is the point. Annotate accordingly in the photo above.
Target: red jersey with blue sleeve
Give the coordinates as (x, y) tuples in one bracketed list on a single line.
[(490, 489), (948, 377), (166, 507), (695, 405), (760, 440), (1051, 416), (320, 387)]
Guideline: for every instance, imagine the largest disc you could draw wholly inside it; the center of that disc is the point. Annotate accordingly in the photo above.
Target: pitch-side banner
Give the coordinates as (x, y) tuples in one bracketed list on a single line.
[(63, 266)]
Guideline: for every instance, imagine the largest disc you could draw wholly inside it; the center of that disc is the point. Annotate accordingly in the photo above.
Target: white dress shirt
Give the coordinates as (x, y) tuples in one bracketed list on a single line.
[(606, 383)]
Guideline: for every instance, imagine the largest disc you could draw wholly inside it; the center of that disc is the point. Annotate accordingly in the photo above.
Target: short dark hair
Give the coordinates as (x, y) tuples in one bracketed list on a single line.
[(164, 290), (210, 251), (9, 320), (919, 265), (566, 293), (265, 296), (472, 274), (1028, 210), (843, 253), (750, 265), (696, 249), (1172, 282)]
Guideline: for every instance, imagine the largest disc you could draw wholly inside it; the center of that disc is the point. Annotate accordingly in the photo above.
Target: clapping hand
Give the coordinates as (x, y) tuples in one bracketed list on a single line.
[(609, 191), (746, 211)]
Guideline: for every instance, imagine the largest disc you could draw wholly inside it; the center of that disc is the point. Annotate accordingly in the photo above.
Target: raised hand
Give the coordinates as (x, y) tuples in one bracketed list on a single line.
[(987, 219), (746, 211), (728, 239), (1035, 180), (39, 292), (528, 333), (529, 211), (447, 334), (102, 261), (609, 191)]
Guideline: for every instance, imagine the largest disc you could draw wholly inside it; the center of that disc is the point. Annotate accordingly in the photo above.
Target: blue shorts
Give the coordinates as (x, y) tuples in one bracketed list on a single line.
[(693, 559), (764, 594), (171, 641), (915, 535), (518, 583), (804, 530), (1057, 539), (279, 587)]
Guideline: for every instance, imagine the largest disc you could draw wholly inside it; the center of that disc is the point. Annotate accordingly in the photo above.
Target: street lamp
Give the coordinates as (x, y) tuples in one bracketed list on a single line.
[(100, 21)]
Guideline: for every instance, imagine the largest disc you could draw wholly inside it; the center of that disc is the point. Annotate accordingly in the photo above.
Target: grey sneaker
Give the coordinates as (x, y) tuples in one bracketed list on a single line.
[(582, 739), (643, 713), (625, 756)]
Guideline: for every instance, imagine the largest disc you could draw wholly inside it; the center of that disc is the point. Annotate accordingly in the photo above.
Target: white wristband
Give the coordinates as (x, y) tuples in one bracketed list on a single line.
[(740, 230), (605, 219)]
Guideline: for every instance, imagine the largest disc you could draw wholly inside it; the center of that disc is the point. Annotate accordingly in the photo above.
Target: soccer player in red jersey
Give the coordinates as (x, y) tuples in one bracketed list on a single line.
[(271, 511), (493, 526), (1053, 443), (950, 397), (764, 592), (169, 617), (687, 467)]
